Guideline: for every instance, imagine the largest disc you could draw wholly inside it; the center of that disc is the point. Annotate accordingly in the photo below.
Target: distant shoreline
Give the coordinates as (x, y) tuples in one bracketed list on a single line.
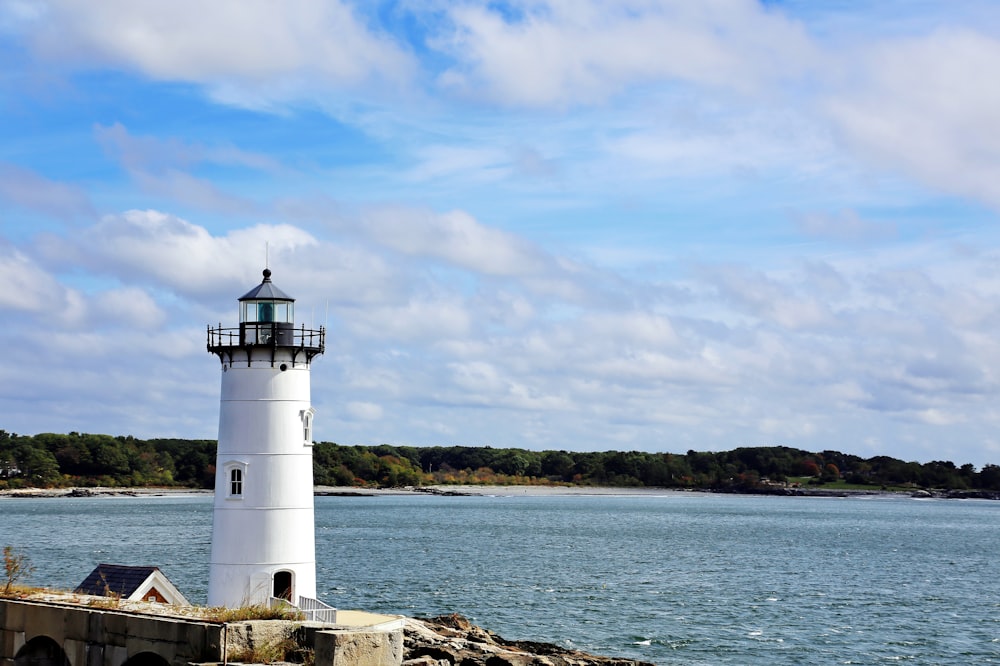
[(352, 491), (101, 491), (499, 491)]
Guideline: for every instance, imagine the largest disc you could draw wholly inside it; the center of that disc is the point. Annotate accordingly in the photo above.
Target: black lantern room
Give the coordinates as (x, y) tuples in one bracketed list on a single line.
[(267, 320)]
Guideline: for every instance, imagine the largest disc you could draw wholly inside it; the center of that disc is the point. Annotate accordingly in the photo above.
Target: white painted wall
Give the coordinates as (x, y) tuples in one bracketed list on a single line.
[(271, 527)]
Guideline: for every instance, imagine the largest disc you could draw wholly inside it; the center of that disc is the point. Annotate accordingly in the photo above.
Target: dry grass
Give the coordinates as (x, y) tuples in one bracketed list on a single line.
[(20, 591), (252, 612), (110, 602), (268, 652), (218, 615)]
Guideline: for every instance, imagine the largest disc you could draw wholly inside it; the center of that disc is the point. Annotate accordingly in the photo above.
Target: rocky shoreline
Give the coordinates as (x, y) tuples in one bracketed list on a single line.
[(446, 640), (102, 492), (918, 494), (450, 640)]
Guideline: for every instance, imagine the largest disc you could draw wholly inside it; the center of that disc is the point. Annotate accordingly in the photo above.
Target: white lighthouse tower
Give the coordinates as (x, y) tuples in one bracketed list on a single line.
[(263, 531)]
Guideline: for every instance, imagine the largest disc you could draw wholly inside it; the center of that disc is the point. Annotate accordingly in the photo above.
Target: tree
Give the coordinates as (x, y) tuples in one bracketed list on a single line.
[(38, 466), (809, 468), (989, 477), (557, 464), (16, 567)]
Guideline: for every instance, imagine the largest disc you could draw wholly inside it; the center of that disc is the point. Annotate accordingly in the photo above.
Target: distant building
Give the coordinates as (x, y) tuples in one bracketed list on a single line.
[(131, 583)]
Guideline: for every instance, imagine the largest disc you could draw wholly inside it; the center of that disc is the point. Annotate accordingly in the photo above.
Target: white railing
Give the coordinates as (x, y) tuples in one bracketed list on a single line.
[(317, 611), (313, 610)]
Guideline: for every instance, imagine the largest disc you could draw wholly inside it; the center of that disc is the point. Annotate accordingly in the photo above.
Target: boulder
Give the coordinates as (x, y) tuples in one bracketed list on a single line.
[(451, 640)]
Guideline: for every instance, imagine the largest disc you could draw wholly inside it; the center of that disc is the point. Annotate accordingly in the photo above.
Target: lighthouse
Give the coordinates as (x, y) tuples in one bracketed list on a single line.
[(263, 530)]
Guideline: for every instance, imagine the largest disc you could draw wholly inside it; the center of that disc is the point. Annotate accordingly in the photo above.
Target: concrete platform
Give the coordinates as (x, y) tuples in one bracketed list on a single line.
[(354, 619)]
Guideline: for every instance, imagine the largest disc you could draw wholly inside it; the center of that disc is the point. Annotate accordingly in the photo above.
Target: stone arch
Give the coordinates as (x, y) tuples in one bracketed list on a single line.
[(146, 659), (41, 651)]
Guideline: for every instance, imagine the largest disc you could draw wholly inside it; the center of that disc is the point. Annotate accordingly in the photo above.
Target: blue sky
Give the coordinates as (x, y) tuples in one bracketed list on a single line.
[(642, 224)]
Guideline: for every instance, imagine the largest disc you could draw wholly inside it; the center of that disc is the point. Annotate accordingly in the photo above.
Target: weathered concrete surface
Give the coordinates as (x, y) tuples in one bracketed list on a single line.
[(359, 648), (256, 635), (101, 637), (50, 633)]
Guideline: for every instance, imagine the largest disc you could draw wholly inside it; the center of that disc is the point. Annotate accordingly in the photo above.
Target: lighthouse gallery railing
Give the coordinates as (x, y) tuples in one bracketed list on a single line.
[(266, 333), (233, 343)]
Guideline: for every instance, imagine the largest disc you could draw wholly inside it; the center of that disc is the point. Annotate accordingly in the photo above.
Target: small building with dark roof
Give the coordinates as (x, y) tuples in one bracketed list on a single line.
[(132, 583)]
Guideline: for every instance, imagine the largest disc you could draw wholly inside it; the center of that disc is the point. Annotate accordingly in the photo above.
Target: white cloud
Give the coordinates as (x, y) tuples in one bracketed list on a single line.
[(254, 51), (766, 298), (938, 417), (130, 306), (182, 188), (150, 153), (161, 167), (440, 161), (416, 319), (364, 411), (746, 356), (845, 225), (29, 288), (167, 250), (930, 106), (457, 238), (563, 52), (483, 383), (28, 189)]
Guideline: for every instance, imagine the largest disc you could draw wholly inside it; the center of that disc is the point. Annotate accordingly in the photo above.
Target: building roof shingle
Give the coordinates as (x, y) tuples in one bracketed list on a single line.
[(115, 579)]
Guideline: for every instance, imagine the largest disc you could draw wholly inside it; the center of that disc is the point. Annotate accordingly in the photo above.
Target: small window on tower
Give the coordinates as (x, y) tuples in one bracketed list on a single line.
[(236, 482), (307, 425), (233, 479)]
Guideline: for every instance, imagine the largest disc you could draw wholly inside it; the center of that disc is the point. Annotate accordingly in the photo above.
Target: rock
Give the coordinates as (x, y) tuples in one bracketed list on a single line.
[(358, 648), (426, 661), (451, 640)]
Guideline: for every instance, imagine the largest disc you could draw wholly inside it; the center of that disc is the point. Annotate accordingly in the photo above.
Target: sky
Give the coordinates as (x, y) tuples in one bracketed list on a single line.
[(654, 225)]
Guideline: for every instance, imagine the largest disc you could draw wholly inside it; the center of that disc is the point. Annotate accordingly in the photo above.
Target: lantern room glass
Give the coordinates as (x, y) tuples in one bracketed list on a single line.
[(267, 312)]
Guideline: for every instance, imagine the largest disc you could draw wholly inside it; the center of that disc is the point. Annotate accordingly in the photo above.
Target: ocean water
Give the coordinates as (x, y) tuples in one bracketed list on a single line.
[(682, 578)]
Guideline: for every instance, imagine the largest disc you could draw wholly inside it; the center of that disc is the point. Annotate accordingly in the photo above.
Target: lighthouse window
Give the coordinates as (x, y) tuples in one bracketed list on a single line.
[(283, 312), (236, 482), (234, 476), (307, 425), (265, 312)]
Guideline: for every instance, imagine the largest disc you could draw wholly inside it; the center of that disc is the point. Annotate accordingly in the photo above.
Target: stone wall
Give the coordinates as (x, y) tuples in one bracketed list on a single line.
[(36, 633), (97, 637)]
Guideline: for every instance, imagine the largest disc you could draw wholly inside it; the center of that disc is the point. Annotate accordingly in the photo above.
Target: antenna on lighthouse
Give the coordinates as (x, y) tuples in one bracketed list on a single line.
[(267, 252)]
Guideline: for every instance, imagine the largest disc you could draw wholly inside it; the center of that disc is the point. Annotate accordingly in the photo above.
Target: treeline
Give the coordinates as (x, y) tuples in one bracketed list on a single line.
[(744, 468), (49, 460), (54, 460)]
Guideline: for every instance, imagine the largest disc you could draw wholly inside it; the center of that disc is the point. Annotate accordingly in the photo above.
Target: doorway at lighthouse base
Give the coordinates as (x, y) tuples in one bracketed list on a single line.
[(281, 587), (279, 584)]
